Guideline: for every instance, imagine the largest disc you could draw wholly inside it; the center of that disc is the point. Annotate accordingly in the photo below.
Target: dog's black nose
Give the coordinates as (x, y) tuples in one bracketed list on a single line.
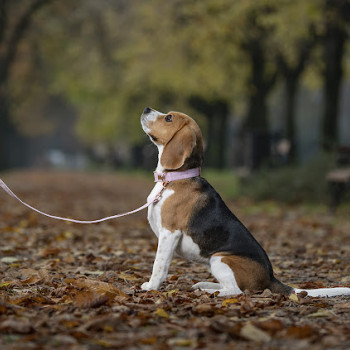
[(147, 110)]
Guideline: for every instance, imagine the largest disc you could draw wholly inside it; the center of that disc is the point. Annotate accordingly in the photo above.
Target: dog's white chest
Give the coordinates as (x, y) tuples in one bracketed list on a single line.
[(154, 210), (186, 247)]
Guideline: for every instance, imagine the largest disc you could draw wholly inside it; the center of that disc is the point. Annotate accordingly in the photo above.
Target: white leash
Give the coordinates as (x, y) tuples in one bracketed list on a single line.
[(153, 200)]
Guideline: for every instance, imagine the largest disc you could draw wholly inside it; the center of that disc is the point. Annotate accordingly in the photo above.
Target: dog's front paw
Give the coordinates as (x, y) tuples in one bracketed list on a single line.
[(147, 286)]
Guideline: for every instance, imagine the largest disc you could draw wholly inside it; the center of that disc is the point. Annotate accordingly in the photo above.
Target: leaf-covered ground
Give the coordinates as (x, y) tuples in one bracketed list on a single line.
[(70, 286)]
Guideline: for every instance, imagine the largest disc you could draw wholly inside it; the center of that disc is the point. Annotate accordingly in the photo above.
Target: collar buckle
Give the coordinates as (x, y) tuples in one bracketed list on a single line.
[(159, 177)]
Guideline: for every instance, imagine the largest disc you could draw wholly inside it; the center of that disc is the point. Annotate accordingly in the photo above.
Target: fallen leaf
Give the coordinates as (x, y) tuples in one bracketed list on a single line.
[(300, 332), (87, 299), (128, 277), (99, 287), (345, 305), (270, 325), (31, 280), (161, 313), (50, 251), (9, 259), (149, 341), (321, 313), (16, 326), (181, 342), (230, 301), (250, 332), (294, 297)]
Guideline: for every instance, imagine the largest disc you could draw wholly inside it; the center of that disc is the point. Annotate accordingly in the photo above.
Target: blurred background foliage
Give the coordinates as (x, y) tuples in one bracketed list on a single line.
[(266, 80)]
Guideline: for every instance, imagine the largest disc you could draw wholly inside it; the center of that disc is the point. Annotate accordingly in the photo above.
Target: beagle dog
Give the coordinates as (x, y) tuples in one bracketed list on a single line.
[(190, 218)]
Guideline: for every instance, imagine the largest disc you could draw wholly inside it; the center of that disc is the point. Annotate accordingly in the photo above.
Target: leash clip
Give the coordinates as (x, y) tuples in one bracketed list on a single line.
[(159, 195)]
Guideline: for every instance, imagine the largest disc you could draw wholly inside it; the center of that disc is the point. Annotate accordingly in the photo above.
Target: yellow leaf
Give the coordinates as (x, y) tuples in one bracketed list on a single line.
[(103, 343), (321, 313), (294, 297), (161, 313), (181, 342), (15, 265), (149, 341), (230, 301), (171, 292)]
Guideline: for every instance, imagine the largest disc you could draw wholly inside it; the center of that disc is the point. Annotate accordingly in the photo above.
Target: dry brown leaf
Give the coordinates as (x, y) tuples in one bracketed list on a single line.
[(345, 305), (87, 299), (31, 300), (271, 325), (97, 286), (300, 332), (16, 326), (32, 280), (50, 251)]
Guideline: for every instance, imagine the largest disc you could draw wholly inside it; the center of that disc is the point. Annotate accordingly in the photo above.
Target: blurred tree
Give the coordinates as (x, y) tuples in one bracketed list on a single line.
[(132, 58), (14, 24), (210, 58)]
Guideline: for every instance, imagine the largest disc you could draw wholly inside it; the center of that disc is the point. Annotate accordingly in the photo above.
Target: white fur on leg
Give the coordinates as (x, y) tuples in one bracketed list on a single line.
[(324, 292), (223, 273), (167, 242), (207, 285)]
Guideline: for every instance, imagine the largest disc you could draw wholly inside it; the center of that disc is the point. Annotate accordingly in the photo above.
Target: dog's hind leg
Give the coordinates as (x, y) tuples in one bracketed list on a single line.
[(223, 273), (207, 285), (225, 276)]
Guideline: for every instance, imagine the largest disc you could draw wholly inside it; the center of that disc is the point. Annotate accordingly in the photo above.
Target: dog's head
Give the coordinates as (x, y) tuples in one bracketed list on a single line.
[(177, 136)]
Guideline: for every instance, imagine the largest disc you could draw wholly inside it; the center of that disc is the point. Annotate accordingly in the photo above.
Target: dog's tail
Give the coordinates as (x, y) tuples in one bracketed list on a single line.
[(324, 292), (278, 287)]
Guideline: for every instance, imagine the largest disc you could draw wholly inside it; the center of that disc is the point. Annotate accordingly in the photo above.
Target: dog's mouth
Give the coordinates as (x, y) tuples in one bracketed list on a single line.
[(149, 115), (153, 137)]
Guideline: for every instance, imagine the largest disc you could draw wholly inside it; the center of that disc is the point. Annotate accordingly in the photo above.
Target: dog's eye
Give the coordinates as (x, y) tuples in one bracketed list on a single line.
[(168, 118)]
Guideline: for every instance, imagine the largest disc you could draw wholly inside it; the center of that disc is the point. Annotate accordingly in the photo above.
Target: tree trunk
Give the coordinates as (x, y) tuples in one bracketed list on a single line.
[(256, 124), (291, 91), (216, 113), (12, 145), (291, 75), (256, 118), (334, 43)]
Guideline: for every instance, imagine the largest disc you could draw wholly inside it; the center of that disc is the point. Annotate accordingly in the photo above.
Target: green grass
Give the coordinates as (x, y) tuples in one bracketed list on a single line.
[(293, 184)]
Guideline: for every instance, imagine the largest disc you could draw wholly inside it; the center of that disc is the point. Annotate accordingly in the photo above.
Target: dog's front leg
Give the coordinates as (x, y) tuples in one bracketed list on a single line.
[(167, 242)]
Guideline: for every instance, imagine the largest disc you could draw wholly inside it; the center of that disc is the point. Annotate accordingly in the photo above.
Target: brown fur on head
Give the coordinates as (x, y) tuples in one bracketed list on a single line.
[(178, 134)]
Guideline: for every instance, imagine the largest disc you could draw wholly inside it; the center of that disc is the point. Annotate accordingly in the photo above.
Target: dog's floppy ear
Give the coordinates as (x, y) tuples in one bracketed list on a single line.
[(178, 149)]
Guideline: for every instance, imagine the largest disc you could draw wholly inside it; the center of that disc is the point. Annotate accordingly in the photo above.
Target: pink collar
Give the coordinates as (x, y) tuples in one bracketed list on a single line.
[(176, 175)]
